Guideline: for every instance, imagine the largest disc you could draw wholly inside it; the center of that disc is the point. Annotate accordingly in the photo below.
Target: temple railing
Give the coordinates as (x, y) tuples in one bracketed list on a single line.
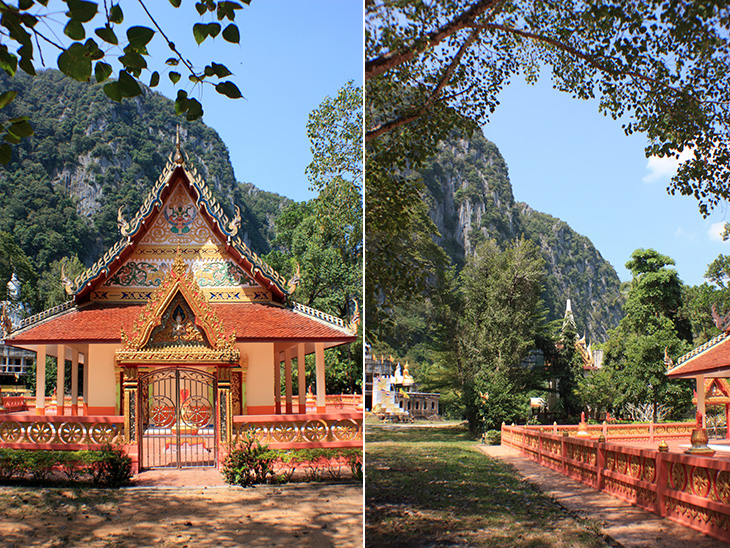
[(302, 431), (340, 401), (21, 431), (636, 432), (691, 490)]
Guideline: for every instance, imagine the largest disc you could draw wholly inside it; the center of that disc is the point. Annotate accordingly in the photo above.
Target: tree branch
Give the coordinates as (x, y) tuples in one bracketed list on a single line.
[(591, 60), (170, 43), (387, 61), (432, 98)]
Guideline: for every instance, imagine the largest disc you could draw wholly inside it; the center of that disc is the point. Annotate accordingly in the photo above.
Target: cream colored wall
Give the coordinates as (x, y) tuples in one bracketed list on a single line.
[(102, 384), (260, 377)]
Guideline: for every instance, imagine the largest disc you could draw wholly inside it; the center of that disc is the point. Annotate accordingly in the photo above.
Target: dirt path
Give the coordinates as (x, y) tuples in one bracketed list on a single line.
[(307, 515)]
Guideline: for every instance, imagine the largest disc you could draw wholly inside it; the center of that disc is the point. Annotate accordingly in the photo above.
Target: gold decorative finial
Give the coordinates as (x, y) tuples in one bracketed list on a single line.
[(65, 281), (179, 160), (234, 225), (122, 224), (294, 281)]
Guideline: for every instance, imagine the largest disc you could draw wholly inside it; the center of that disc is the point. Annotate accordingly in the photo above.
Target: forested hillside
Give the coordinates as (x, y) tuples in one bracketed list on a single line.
[(471, 201), (60, 194)]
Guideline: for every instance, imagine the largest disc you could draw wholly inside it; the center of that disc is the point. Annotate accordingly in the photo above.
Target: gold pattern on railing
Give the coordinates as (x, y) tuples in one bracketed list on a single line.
[(722, 486), (678, 476), (649, 470), (68, 433), (700, 481), (318, 430), (635, 467)]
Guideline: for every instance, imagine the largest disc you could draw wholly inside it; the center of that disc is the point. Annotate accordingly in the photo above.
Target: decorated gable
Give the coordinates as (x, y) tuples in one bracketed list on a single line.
[(180, 224)]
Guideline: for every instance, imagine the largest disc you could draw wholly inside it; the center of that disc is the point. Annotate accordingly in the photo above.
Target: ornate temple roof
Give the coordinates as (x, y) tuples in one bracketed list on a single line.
[(710, 359), (249, 299), (134, 230), (252, 322)]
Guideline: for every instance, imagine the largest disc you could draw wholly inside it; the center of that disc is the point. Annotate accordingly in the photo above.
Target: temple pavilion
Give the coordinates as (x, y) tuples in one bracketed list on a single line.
[(182, 339)]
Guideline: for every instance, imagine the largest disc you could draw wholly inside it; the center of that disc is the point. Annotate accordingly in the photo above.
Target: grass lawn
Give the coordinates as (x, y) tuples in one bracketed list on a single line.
[(431, 487)]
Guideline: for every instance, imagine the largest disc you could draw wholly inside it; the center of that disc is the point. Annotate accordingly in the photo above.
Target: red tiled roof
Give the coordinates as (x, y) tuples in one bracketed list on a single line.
[(250, 321), (712, 357)]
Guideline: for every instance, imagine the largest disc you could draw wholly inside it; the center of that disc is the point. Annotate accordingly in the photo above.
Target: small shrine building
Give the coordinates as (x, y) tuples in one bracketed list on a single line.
[(185, 339)]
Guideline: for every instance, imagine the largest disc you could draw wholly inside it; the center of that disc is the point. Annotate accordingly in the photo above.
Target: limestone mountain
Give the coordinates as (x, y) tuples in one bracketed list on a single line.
[(89, 156), (471, 200)]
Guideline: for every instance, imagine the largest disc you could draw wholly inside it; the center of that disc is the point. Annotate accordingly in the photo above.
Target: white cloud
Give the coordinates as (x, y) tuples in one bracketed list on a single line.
[(715, 231), (664, 168)]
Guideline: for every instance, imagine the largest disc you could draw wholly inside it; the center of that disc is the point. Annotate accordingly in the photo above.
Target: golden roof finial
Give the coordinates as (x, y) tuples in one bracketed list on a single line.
[(179, 160)]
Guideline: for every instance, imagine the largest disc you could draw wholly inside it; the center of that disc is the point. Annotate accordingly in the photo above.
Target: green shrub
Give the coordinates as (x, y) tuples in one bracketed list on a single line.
[(354, 460), (110, 467), (493, 437), (12, 463), (73, 464), (249, 462), (40, 463)]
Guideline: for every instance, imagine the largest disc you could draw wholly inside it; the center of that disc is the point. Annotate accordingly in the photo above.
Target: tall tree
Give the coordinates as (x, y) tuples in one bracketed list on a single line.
[(497, 328), (322, 238), (652, 327)]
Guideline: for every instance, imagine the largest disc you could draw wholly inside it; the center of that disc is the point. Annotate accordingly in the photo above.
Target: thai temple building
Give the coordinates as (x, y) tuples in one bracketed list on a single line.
[(180, 340), (391, 393)]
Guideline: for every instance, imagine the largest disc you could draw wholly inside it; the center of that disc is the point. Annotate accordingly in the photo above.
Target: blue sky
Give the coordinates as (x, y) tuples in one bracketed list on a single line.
[(568, 160), (292, 55)]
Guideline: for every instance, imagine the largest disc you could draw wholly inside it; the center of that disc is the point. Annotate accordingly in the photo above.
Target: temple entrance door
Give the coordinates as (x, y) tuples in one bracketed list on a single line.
[(178, 420)]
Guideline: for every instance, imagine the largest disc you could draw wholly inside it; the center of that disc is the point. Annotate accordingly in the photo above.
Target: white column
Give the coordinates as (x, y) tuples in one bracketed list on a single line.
[(319, 358), (277, 383), (287, 380), (40, 380), (60, 379), (302, 379), (701, 398), (74, 381), (86, 380)]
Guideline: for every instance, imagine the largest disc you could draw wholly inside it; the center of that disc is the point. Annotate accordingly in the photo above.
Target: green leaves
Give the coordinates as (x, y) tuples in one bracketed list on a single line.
[(188, 106), (175, 3), (115, 14), (102, 71), (7, 97), (76, 62), (229, 89), (231, 34), (125, 86), (139, 37), (202, 30), (107, 34), (81, 11)]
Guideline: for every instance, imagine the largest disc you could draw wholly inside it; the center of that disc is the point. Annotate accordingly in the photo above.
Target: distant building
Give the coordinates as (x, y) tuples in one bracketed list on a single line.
[(15, 363), (390, 392)]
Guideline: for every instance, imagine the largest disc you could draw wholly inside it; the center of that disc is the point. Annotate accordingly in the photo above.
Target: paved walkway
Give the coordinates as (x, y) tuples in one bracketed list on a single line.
[(625, 525)]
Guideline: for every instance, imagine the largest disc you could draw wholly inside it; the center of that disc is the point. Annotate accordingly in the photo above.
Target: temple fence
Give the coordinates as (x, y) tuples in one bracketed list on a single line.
[(691, 490)]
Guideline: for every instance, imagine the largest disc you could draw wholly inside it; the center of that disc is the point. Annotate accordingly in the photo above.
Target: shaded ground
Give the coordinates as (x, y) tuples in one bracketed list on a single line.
[(308, 515), (430, 486)]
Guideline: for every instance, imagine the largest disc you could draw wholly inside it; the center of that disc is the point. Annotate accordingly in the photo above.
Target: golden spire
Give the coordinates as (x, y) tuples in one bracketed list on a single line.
[(179, 160)]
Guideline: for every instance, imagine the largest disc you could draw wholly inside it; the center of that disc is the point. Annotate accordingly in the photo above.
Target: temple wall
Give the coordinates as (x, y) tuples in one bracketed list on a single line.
[(260, 377), (102, 384)]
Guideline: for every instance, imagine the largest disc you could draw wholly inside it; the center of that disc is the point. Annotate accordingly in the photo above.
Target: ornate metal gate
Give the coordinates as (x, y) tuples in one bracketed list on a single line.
[(178, 419)]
